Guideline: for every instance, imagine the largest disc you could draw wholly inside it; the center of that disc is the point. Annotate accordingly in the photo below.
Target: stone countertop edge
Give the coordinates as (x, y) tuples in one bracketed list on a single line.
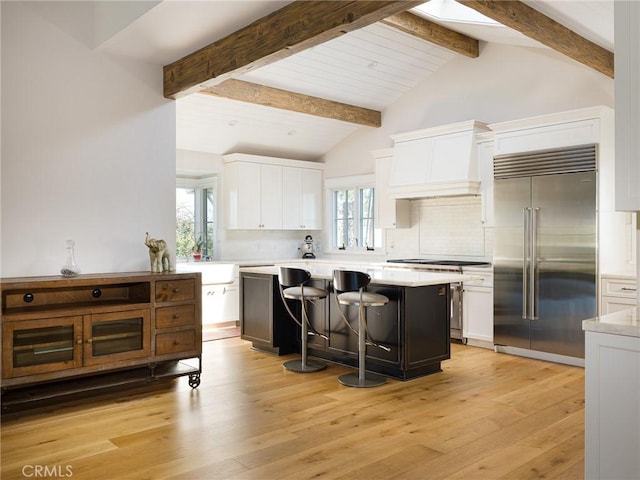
[(379, 276), (624, 322)]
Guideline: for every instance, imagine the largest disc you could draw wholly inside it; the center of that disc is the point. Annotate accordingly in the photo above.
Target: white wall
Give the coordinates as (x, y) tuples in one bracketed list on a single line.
[(88, 150)]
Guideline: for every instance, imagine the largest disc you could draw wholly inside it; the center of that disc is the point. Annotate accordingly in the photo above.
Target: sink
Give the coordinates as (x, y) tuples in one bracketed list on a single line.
[(212, 273)]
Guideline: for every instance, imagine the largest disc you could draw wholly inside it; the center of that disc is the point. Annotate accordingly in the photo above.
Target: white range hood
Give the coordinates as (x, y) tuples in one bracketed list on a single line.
[(439, 161)]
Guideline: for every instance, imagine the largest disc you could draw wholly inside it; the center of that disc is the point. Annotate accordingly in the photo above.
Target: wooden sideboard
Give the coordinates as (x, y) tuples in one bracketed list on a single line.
[(64, 335)]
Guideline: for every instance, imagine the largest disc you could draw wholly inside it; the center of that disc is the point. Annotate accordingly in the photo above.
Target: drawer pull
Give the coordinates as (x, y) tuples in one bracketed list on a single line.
[(96, 293), (79, 340), (176, 342), (628, 289), (176, 290), (176, 315), (28, 297)]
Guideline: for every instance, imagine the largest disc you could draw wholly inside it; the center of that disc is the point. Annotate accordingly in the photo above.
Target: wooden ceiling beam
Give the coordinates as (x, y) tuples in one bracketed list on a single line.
[(535, 25), (295, 27), (433, 33), (295, 102)]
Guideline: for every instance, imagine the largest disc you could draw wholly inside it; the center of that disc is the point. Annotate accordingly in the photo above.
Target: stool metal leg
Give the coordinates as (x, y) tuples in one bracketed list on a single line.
[(304, 365), (362, 378)]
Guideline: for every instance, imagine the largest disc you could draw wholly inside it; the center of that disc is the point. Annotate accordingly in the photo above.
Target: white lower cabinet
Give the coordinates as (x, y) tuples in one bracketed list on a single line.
[(477, 311), (617, 293), (220, 303), (612, 406)]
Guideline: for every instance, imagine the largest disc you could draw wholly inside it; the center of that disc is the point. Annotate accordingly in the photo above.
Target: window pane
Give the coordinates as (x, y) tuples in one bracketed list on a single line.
[(353, 217), (366, 216), (185, 221), (209, 215)]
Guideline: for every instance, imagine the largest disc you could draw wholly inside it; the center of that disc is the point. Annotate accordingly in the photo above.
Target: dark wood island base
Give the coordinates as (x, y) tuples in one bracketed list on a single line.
[(414, 325)]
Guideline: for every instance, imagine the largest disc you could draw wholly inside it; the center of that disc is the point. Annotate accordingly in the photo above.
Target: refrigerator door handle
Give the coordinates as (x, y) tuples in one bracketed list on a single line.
[(533, 271), (526, 236)]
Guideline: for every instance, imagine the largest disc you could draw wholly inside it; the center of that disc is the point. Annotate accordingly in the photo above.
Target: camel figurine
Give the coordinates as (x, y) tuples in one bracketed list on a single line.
[(158, 255)]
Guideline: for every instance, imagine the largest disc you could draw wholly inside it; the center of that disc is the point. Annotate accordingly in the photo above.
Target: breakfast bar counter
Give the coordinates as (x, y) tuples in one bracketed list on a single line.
[(415, 324)]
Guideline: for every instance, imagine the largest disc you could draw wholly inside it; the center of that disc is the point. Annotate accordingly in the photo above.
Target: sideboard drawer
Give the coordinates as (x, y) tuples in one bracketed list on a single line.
[(183, 341), (175, 291), (180, 315)]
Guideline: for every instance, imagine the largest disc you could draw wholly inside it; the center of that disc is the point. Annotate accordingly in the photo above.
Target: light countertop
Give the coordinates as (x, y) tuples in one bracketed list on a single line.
[(625, 322), (381, 276)]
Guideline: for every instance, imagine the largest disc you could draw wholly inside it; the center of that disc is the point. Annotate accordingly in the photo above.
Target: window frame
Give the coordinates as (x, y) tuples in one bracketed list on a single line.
[(200, 185), (357, 183)]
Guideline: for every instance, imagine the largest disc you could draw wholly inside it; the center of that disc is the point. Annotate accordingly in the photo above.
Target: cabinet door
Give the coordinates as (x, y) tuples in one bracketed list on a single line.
[(249, 199), (257, 309), (292, 198), (231, 297), (270, 197), (485, 172), (31, 347), (477, 314), (390, 213), (117, 336), (627, 106), (301, 198), (311, 199)]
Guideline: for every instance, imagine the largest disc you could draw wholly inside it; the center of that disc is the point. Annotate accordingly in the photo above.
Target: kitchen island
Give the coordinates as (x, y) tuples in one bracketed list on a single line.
[(415, 324)]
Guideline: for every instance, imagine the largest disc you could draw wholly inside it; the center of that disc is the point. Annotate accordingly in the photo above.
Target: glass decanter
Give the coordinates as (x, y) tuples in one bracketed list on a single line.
[(70, 267)]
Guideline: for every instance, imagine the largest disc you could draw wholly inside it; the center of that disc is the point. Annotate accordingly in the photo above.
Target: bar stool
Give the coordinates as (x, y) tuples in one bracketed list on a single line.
[(349, 287), (292, 286)]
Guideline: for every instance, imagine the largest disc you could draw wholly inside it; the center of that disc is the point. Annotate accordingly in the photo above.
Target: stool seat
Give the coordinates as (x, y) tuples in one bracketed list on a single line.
[(369, 299), (292, 287), (310, 293)]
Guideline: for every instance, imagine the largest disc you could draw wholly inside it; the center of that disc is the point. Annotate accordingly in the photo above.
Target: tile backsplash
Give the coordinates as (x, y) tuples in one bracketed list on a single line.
[(451, 226), (444, 227)]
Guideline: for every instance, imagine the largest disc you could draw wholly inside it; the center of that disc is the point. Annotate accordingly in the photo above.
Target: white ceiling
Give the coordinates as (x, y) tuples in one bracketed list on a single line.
[(371, 67)]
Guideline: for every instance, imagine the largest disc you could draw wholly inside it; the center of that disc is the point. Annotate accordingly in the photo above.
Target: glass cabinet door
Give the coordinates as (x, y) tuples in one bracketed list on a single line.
[(117, 336), (39, 346)]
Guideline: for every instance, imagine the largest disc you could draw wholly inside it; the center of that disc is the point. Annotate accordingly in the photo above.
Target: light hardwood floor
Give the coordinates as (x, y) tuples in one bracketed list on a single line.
[(485, 416)]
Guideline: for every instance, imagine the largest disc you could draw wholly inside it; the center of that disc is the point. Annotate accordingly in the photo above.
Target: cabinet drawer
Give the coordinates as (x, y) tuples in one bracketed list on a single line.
[(184, 341), (619, 287), (175, 290), (167, 317)]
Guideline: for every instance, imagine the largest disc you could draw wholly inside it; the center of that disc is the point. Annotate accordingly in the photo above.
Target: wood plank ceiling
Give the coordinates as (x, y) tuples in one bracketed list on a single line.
[(344, 61)]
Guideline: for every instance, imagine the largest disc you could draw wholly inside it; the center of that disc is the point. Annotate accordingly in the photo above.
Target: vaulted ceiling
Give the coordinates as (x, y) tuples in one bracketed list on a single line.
[(299, 77)]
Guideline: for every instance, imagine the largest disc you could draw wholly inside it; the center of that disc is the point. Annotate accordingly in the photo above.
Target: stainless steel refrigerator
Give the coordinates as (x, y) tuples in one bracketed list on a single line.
[(545, 249)]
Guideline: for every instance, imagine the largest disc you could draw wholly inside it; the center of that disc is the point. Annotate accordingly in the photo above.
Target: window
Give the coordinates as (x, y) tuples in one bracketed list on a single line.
[(353, 218), (195, 218)]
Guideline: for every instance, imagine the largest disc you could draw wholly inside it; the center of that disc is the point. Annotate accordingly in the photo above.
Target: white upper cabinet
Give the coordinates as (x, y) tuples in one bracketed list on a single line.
[(390, 212), (436, 161), (302, 198), (485, 174), (272, 193), (254, 196), (627, 68)]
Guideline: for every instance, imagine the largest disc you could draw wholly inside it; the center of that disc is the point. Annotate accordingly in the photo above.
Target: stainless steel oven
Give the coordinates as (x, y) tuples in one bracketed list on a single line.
[(456, 290)]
